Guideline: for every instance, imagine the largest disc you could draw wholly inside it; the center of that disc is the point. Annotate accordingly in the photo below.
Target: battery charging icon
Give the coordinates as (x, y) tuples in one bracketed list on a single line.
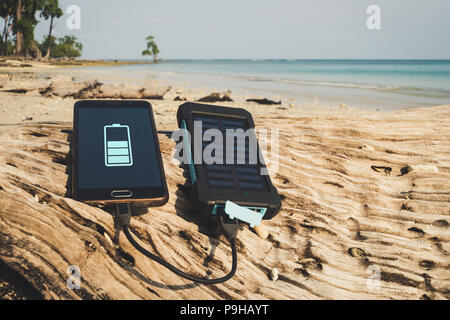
[(117, 146)]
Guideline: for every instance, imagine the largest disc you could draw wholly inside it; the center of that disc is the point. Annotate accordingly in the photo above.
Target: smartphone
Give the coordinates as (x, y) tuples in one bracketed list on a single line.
[(116, 154)]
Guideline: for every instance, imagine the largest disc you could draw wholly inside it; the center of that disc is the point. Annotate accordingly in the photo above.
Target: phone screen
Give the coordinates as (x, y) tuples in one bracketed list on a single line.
[(116, 149)]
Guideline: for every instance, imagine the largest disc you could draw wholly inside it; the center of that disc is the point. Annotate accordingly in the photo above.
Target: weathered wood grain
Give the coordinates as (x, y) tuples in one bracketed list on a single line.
[(340, 218)]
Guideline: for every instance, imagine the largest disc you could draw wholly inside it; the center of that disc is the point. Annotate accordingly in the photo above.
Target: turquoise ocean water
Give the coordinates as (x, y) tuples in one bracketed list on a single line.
[(374, 84)]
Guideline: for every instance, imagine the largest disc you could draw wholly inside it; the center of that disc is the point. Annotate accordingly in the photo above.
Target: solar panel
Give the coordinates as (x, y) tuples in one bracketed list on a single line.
[(229, 176), (235, 175)]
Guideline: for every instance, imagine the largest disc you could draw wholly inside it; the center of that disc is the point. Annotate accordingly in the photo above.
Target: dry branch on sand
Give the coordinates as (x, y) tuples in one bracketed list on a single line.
[(64, 87), (217, 97), (264, 101)]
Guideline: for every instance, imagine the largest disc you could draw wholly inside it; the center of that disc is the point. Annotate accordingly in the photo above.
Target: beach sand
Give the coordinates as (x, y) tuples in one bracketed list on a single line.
[(365, 196)]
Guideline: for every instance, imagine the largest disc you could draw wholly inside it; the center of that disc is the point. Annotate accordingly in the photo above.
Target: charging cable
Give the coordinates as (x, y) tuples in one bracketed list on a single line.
[(229, 228)]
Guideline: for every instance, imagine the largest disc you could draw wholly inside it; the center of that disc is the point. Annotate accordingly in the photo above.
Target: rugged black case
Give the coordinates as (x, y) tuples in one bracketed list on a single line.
[(204, 196)]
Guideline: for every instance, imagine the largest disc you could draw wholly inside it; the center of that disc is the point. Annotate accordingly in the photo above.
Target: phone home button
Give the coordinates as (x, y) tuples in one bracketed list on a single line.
[(121, 193)]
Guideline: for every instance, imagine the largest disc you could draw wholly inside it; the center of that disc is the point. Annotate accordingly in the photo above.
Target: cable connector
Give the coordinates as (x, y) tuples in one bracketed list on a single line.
[(122, 219), (230, 227)]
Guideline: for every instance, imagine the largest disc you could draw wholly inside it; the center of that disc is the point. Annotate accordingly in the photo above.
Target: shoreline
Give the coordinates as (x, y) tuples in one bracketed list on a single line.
[(69, 62), (368, 92), (31, 106)]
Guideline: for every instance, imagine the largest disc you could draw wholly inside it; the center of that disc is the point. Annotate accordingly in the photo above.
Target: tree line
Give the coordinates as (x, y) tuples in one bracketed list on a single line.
[(20, 20)]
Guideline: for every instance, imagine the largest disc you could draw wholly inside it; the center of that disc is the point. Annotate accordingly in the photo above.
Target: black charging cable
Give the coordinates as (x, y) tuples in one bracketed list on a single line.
[(229, 227)]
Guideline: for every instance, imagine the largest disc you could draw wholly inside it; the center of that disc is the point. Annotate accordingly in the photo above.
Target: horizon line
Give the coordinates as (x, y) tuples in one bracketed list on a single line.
[(268, 59)]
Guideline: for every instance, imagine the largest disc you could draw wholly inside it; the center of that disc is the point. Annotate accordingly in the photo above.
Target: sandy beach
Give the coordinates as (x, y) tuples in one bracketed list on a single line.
[(365, 201)]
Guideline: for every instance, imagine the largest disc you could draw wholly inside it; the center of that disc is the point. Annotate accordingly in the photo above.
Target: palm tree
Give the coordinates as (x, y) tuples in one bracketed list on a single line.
[(50, 10), (152, 48), (19, 28), (7, 9)]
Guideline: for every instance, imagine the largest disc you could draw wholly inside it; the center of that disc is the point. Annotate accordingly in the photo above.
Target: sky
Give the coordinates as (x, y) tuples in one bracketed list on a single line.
[(259, 29)]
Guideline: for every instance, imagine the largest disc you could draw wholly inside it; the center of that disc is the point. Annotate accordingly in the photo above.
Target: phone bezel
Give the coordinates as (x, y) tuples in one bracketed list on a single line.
[(155, 196)]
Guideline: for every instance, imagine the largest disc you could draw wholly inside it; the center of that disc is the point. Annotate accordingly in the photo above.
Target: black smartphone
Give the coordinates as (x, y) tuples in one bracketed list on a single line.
[(116, 154)]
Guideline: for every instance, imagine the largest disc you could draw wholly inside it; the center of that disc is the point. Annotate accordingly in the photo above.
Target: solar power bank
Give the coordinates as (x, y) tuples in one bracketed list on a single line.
[(238, 187)]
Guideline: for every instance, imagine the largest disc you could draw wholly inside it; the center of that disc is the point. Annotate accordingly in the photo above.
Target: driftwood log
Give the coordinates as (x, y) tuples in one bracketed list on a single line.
[(264, 101), (345, 230), (217, 97), (64, 87)]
